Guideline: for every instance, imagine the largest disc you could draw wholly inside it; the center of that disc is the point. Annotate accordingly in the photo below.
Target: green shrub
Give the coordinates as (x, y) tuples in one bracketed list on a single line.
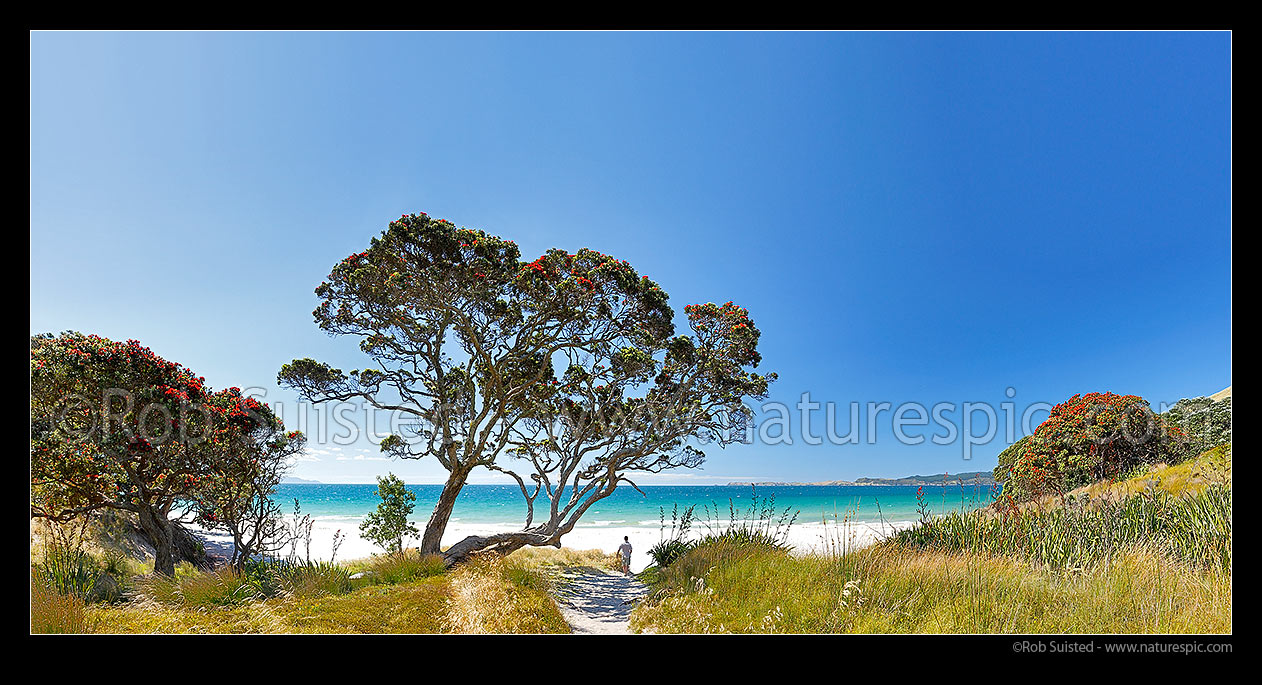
[(1206, 424), (664, 553), (406, 566), (1008, 457), (199, 589), (272, 578), (316, 579), (671, 547), (68, 570)]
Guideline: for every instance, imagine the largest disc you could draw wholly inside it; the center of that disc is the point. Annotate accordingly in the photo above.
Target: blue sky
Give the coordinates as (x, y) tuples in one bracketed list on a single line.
[(930, 217)]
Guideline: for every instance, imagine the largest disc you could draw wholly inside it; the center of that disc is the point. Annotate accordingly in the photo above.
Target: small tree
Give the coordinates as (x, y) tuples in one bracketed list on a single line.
[(389, 523), (237, 494)]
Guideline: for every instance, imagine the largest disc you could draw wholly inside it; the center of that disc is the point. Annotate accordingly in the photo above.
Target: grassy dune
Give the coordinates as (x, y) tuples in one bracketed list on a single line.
[(412, 594)]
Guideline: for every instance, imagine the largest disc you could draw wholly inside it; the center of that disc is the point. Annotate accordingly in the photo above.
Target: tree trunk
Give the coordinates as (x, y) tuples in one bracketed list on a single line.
[(502, 544), (159, 531), (431, 541)]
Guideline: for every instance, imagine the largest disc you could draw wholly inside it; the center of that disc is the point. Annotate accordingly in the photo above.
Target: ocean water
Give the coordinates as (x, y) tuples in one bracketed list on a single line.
[(825, 514)]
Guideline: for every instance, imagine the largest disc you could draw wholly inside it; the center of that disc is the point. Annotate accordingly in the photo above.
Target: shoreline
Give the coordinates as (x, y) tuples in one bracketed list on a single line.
[(805, 538)]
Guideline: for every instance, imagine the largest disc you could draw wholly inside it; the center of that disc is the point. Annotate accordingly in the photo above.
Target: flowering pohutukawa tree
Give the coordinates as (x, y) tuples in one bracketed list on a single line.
[(115, 426), (1085, 439), (110, 428), (252, 453), (620, 412), (462, 334)]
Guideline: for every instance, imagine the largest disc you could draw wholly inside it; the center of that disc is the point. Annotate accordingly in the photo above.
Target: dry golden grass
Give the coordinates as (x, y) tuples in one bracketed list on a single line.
[(538, 557), (485, 596), (52, 612), (492, 595)]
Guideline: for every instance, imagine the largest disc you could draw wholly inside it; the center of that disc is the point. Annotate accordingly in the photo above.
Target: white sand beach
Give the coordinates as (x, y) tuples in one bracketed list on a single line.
[(806, 538)]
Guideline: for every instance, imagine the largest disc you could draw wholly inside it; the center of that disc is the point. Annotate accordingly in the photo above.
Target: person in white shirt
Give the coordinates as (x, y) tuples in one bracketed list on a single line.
[(624, 551)]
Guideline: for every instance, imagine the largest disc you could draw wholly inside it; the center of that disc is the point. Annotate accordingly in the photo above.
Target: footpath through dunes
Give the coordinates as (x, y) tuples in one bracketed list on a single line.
[(595, 601)]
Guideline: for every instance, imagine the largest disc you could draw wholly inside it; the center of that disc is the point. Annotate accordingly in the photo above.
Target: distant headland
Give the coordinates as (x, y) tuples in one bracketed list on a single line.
[(293, 480), (967, 478)]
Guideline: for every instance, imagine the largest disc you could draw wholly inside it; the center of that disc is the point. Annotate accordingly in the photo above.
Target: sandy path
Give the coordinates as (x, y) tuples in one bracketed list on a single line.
[(597, 602)]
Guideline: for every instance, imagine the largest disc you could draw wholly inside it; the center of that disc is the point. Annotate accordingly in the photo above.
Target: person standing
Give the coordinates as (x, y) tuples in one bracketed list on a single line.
[(624, 551)]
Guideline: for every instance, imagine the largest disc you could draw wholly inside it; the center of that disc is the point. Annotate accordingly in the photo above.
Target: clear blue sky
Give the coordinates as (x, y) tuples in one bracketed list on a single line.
[(929, 217)]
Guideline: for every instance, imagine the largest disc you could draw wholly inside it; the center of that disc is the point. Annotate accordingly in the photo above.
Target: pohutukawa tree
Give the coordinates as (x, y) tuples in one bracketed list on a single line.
[(252, 454), (115, 426), (465, 336), (1085, 439)]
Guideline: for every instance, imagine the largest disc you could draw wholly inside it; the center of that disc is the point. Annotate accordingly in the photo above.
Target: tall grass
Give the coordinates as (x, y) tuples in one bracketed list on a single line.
[(224, 587), (501, 595), (894, 589), (1193, 528), (57, 612), (403, 567), (309, 578), (761, 525), (545, 557)]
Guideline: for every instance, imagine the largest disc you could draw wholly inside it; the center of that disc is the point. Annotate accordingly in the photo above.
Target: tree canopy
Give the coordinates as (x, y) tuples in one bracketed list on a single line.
[(114, 425), (466, 339), (388, 523)]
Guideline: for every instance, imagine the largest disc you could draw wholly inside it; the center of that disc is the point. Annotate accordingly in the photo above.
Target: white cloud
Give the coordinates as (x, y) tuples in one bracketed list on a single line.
[(362, 455)]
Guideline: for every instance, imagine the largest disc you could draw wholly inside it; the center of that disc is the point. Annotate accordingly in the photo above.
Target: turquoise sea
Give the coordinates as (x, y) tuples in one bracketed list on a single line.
[(866, 513), (503, 504)]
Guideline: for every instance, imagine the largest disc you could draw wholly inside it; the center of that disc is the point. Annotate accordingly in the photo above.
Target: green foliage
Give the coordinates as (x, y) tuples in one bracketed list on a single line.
[(1205, 423), (762, 525), (405, 567), (672, 546), (387, 525), (66, 569), (314, 579), (1194, 528), (1008, 457), (224, 587), (667, 551)]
